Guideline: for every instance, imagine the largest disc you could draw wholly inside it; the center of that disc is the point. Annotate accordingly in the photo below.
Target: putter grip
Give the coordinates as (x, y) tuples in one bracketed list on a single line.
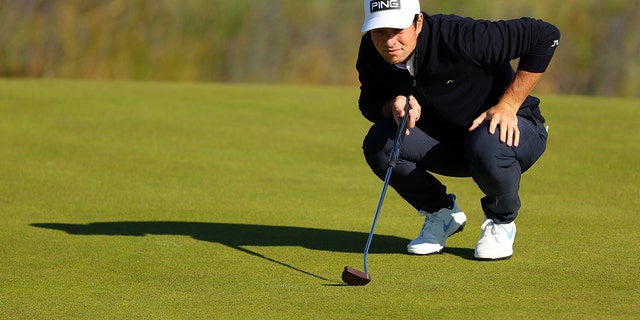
[(404, 123), (402, 128)]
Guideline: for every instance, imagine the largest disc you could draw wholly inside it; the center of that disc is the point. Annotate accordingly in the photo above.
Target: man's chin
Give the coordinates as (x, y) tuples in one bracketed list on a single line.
[(393, 59)]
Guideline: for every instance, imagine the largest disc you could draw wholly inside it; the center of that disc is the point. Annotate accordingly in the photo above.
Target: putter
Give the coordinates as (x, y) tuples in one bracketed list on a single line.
[(352, 276)]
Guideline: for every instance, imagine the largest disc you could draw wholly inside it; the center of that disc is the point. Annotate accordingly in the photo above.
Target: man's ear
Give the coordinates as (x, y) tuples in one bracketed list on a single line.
[(419, 22)]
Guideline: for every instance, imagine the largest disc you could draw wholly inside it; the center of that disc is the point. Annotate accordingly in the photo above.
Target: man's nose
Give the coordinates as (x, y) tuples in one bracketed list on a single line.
[(391, 38)]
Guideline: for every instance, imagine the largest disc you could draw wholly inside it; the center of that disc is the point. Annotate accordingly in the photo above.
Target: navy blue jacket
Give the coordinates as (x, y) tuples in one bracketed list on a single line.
[(463, 67)]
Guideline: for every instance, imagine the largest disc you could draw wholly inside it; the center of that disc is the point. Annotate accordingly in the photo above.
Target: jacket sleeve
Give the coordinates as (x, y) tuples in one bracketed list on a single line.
[(487, 42), (372, 91)]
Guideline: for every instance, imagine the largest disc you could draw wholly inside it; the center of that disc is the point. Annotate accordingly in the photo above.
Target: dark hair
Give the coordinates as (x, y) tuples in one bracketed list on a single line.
[(415, 19)]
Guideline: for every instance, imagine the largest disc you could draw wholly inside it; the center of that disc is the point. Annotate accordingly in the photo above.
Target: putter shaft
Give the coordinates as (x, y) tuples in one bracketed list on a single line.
[(393, 159)]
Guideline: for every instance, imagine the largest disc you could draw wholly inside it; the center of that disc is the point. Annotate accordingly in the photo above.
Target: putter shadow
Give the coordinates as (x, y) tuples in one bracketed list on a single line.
[(237, 236)]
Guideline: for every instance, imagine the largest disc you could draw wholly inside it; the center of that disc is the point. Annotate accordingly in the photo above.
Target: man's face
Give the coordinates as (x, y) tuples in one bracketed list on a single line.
[(396, 45)]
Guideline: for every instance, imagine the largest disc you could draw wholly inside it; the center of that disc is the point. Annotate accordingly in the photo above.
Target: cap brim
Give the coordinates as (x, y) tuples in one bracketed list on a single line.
[(383, 22)]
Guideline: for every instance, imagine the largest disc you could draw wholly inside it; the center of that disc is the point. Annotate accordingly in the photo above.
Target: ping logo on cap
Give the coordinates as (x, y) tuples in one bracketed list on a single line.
[(380, 5)]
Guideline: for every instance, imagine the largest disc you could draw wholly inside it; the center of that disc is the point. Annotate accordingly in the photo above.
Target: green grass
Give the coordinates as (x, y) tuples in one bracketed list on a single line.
[(124, 200)]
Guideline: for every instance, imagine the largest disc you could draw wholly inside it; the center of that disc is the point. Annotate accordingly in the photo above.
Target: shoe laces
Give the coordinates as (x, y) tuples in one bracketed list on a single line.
[(485, 225), (429, 221)]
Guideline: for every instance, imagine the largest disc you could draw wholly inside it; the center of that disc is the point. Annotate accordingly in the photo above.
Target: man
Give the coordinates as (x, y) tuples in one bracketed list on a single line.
[(471, 114)]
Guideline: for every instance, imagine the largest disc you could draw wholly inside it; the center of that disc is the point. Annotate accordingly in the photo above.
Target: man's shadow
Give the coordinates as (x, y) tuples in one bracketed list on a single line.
[(238, 236)]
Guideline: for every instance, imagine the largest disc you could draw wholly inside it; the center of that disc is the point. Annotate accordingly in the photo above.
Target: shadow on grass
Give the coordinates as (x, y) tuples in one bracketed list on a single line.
[(464, 253), (237, 236)]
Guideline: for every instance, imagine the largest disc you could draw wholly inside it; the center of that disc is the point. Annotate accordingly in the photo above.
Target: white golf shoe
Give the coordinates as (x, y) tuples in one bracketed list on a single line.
[(496, 241), (437, 227)]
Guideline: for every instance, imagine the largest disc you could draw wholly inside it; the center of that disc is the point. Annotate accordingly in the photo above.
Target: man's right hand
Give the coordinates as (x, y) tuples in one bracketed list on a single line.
[(395, 108)]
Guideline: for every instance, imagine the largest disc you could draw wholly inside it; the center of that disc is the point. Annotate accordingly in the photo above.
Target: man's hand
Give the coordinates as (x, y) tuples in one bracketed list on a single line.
[(396, 106), (502, 116)]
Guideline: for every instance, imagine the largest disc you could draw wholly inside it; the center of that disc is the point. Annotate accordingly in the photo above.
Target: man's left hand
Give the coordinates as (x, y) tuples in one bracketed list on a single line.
[(502, 116)]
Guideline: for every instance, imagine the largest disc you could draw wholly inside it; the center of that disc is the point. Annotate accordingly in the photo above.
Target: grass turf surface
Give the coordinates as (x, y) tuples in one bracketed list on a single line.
[(178, 200)]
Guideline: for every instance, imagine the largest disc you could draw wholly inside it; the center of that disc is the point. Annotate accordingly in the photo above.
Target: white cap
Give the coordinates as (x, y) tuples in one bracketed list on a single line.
[(396, 14)]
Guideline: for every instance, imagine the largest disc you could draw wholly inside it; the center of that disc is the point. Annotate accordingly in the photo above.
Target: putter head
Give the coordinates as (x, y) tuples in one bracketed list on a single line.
[(354, 277)]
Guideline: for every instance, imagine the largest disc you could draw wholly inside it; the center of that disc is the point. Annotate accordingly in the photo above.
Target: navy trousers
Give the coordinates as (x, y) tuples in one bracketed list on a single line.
[(495, 167)]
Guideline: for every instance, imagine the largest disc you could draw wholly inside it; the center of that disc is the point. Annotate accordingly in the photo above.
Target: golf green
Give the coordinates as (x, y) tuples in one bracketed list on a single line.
[(152, 200)]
